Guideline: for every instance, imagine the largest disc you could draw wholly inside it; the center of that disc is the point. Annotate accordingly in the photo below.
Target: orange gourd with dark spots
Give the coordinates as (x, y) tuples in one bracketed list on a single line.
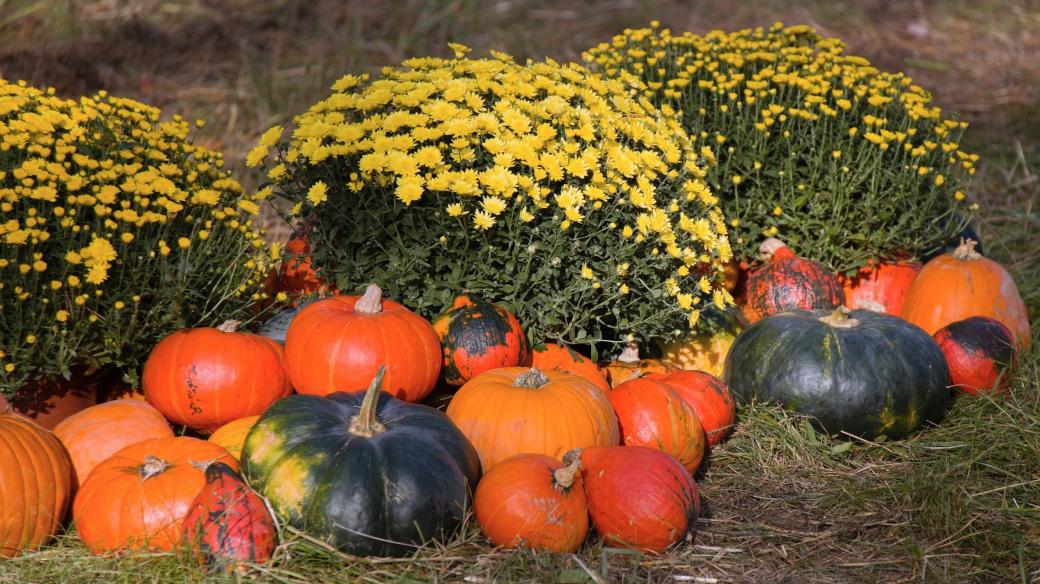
[(882, 286), (788, 282), (980, 352), (652, 414), (708, 396), (478, 336), (553, 356)]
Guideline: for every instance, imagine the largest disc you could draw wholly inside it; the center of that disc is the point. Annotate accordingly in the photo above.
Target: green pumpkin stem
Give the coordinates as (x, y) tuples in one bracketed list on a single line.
[(966, 250), (366, 423), (564, 477), (840, 319), (153, 466), (371, 302), (531, 379)]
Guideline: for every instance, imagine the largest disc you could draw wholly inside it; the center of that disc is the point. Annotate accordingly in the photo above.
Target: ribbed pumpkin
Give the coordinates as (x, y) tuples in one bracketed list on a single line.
[(628, 366), (880, 286), (35, 485), (478, 336), (553, 356), (708, 396), (862, 372), (206, 377), (339, 343), (227, 523), (980, 352), (533, 501), (788, 282), (137, 498), (639, 498), (652, 414), (233, 434), (515, 410), (961, 284), (364, 471), (100, 431)]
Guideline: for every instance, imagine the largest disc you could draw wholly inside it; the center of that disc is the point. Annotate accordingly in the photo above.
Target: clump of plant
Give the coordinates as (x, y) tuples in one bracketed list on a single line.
[(115, 230), (840, 160), (540, 185)]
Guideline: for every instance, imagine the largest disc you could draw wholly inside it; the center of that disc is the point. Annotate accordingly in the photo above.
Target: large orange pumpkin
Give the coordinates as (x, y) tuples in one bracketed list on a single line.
[(708, 396), (880, 286), (534, 501), (138, 498), (788, 282), (961, 284), (515, 410), (35, 485), (100, 431), (553, 356), (338, 344), (628, 366), (652, 414), (206, 377), (233, 434)]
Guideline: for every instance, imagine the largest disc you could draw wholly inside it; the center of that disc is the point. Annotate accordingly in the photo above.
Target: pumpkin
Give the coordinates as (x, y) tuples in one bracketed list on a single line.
[(478, 336), (514, 410), (533, 501), (652, 414), (553, 356), (708, 396), (628, 365), (35, 485), (228, 523), (338, 343), (788, 282), (861, 372), (880, 286), (639, 498), (363, 471), (137, 498), (705, 349), (233, 434), (957, 285), (206, 377), (297, 275), (980, 353), (100, 431)]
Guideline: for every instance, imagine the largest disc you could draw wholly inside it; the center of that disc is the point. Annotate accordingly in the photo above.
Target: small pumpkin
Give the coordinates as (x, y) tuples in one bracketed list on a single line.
[(628, 366), (980, 352), (652, 414), (517, 409), (137, 498), (338, 343), (788, 282), (705, 349), (100, 431), (708, 396), (478, 336), (639, 498), (961, 284), (228, 523), (880, 286), (233, 434), (553, 356), (206, 377), (364, 471), (35, 485), (825, 364), (533, 501)]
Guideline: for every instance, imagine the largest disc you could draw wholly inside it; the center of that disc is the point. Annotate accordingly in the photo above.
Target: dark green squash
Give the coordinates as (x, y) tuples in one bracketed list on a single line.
[(865, 373), (477, 336), (364, 471)]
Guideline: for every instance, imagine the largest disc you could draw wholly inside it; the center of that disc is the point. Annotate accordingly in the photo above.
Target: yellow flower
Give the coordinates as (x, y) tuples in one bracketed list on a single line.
[(456, 210), (61, 316), (493, 205), (525, 215), (409, 189), (10, 367), (318, 193), (183, 243), (483, 221), (958, 195), (97, 274), (39, 266), (777, 211), (623, 289), (737, 179), (120, 305), (587, 273), (836, 154), (30, 340)]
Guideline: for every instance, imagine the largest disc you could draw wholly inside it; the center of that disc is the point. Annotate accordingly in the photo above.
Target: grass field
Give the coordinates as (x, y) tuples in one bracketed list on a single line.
[(957, 503)]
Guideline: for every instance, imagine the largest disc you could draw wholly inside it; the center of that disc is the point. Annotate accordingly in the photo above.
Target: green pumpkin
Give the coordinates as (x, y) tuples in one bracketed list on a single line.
[(365, 471), (865, 373)]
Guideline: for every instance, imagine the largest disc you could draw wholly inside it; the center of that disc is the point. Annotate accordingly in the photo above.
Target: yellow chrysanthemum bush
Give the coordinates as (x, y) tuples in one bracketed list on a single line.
[(114, 230), (840, 160), (539, 185)]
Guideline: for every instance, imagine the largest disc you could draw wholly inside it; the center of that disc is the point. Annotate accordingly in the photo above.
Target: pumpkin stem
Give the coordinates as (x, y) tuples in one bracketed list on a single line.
[(564, 477), (966, 250), (840, 319), (871, 305), (572, 455), (153, 466), (531, 379), (371, 302), (771, 247), (366, 423), (630, 354), (229, 326)]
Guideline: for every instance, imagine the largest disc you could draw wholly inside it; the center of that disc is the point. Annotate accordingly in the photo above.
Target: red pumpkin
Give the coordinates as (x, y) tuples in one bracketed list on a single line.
[(204, 378), (980, 352), (478, 336), (639, 498), (228, 523), (708, 396), (652, 414), (534, 501), (338, 344), (553, 356), (788, 282), (880, 287)]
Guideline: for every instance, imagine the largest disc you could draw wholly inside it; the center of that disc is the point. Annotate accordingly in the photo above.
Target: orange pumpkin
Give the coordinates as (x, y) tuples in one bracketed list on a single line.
[(880, 287), (233, 434), (652, 414), (628, 366), (708, 396), (961, 284), (788, 282), (35, 485), (297, 275), (138, 498), (534, 501), (338, 344), (478, 336), (100, 431), (553, 356), (516, 410)]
